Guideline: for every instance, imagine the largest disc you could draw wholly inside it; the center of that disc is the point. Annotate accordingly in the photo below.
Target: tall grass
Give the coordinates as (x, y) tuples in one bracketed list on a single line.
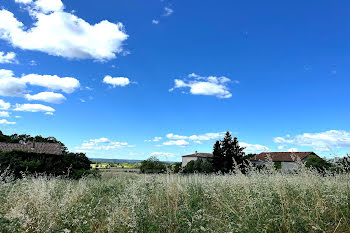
[(257, 202)]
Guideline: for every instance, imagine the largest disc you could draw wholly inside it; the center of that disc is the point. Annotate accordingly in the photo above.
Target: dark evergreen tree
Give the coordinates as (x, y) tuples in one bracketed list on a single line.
[(227, 154), (218, 157)]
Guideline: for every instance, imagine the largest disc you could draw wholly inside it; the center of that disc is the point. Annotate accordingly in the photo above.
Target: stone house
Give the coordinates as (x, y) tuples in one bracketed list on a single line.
[(196, 156), (289, 161)]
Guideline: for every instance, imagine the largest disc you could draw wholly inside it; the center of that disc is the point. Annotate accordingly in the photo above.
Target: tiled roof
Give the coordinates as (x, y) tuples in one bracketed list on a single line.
[(202, 155), (281, 156), (37, 147)]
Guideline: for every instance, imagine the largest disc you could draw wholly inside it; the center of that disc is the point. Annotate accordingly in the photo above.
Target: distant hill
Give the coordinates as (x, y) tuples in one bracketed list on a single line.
[(120, 160)]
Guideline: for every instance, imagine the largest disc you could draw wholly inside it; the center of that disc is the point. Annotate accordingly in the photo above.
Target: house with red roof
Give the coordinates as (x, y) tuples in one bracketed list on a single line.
[(288, 160)]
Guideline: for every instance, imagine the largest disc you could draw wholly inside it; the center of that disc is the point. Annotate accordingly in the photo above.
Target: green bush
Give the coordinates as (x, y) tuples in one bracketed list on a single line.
[(201, 166), (72, 165), (318, 163), (152, 165)]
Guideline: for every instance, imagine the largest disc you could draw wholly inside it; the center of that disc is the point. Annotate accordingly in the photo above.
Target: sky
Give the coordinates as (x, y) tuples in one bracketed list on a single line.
[(127, 79)]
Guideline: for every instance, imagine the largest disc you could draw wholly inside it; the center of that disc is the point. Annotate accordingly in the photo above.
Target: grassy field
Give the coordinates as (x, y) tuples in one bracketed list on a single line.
[(127, 202)]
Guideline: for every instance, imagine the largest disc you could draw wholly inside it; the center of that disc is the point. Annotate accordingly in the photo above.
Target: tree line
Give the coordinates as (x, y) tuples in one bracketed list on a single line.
[(229, 156), (18, 163)]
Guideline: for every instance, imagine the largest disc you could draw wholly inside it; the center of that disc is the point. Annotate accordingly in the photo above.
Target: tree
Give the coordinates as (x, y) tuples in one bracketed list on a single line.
[(72, 165), (152, 165), (206, 167), (228, 155), (318, 163), (218, 157)]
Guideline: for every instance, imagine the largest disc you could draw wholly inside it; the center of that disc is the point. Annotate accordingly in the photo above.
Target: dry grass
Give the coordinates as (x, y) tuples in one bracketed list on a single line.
[(258, 202)]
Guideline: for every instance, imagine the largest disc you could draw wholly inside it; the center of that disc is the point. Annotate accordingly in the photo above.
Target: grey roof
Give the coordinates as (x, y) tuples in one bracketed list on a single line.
[(37, 147), (202, 155)]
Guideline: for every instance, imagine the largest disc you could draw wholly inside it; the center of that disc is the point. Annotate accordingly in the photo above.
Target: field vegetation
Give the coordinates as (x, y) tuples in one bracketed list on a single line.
[(259, 201)]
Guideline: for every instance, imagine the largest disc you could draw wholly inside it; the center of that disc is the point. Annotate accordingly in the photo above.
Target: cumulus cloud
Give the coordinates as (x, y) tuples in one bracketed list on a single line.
[(8, 58), (4, 114), (61, 33), (211, 85), (163, 154), (102, 144), (52, 82), (253, 148), (117, 81), (17, 87), (49, 97), (324, 141), (5, 122), (168, 11), (33, 108), (154, 21), (23, 1), (197, 138), (9, 85), (4, 105), (176, 143), (155, 139)]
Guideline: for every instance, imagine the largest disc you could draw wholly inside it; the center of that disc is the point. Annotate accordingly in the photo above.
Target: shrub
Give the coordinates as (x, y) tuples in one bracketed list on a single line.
[(318, 163), (152, 165), (72, 165)]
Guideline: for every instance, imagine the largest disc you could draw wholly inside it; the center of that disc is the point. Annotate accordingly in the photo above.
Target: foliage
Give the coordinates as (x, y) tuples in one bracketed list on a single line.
[(228, 155), (176, 167), (152, 165), (257, 202), (277, 165), (318, 163), (343, 164), (72, 165), (199, 166)]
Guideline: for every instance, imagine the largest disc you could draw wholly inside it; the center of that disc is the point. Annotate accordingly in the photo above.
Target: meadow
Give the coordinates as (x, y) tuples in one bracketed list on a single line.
[(266, 201)]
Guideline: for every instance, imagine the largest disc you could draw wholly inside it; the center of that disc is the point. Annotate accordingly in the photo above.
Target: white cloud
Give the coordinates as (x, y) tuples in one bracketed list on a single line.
[(324, 141), (4, 114), (155, 139), (49, 97), (8, 58), (4, 105), (154, 21), (23, 1), (253, 148), (211, 85), (102, 144), (176, 143), (61, 33), (168, 11), (33, 108), (52, 82), (197, 138), (118, 81), (47, 6), (164, 154), (12, 86), (5, 122), (9, 85)]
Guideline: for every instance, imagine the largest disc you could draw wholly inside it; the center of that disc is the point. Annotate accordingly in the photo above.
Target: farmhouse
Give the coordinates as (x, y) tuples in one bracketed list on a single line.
[(287, 160), (37, 147), (196, 156)]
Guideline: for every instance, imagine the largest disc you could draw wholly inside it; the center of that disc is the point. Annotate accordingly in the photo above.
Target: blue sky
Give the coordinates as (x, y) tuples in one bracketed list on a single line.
[(132, 78)]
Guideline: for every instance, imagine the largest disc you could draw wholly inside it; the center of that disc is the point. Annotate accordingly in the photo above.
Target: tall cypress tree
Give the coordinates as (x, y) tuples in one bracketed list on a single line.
[(218, 157), (238, 154)]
